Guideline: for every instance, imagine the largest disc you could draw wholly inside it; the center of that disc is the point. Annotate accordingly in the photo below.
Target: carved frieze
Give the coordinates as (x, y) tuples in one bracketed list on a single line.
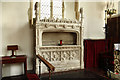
[(60, 53), (52, 23)]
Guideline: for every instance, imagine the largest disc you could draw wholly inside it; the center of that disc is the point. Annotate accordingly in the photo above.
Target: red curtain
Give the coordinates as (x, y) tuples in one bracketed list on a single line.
[(92, 49)]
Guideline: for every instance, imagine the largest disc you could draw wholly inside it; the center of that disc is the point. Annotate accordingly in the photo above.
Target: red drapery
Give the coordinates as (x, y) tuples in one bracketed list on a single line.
[(92, 49)]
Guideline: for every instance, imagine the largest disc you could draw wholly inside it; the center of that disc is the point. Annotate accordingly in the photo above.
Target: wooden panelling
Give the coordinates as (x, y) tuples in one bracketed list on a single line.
[(113, 29)]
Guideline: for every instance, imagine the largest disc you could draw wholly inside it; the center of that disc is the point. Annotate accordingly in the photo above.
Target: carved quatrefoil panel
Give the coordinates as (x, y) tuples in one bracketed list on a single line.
[(117, 62), (55, 56)]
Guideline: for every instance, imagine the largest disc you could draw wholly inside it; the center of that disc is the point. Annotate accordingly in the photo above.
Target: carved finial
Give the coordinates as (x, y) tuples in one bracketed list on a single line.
[(37, 11), (81, 12)]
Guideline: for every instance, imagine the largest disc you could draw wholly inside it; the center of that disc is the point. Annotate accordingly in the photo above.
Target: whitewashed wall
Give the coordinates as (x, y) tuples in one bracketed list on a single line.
[(0, 28), (93, 21), (119, 7), (0, 37), (16, 30), (69, 12)]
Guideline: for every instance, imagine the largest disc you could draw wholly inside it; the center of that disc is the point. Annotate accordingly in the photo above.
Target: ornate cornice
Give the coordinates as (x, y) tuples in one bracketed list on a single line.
[(58, 23)]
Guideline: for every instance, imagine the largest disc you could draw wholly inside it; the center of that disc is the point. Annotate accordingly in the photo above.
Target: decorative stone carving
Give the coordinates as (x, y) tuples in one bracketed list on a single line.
[(60, 53), (69, 54), (65, 57), (117, 62)]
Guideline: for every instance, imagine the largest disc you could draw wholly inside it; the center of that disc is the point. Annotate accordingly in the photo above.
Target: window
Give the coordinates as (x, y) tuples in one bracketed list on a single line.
[(45, 9), (57, 9)]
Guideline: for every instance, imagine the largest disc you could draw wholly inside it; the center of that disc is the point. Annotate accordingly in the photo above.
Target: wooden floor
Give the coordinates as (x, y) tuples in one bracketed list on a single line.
[(69, 75), (76, 75)]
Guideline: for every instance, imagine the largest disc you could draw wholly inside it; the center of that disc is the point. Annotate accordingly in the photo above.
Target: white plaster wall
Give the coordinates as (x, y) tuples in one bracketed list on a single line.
[(117, 4), (0, 28), (0, 37), (93, 21), (69, 12), (16, 30), (119, 7)]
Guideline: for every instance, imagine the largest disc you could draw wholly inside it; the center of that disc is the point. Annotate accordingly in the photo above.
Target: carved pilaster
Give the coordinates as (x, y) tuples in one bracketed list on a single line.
[(51, 9), (81, 15), (63, 8), (76, 10), (37, 11), (31, 13), (81, 40)]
